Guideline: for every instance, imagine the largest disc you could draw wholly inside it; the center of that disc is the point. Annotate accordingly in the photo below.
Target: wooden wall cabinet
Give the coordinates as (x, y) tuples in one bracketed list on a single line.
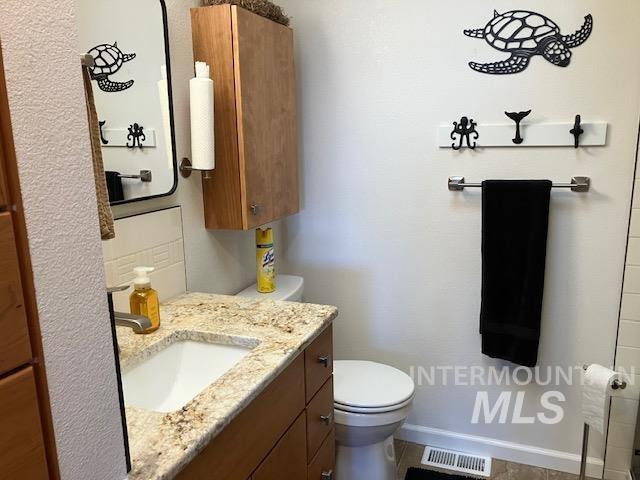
[(280, 435), (252, 65)]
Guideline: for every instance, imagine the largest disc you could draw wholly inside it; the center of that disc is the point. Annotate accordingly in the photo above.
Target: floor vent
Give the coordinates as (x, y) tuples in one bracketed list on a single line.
[(457, 462)]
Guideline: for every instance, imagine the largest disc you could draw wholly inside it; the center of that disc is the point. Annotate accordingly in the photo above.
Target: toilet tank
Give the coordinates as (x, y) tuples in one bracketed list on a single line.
[(289, 288)]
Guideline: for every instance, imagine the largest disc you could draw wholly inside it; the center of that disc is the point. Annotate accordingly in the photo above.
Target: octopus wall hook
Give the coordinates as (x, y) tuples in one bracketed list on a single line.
[(465, 131), (136, 136)]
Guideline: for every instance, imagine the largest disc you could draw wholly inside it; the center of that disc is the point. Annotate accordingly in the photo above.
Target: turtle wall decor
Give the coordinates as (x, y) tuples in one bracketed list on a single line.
[(525, 34), (108, 60)]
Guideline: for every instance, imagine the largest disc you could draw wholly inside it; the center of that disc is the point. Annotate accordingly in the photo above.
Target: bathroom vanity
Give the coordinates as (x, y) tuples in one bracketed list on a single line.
[(268, 416)]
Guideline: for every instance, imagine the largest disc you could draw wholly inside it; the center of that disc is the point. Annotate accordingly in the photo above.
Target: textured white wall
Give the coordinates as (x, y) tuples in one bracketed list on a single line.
[(382, 238), (52, 145)]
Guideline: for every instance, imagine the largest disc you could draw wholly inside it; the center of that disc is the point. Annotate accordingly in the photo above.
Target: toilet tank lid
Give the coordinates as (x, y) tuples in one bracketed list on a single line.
[(370, 385), (288, 288)]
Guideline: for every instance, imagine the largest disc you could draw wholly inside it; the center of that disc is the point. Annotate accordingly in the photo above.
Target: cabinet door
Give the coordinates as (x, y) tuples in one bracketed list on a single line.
[(15, 349), (22, 452), (318, 362), (267, 119), (289, 457), (323, 465), (319, 418)]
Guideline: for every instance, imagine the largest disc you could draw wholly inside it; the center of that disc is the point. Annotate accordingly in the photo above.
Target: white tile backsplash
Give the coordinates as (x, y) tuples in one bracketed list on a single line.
[(629, 335), (632, 279), (635, 223), (630, 307), (633, 254), (153, 240)]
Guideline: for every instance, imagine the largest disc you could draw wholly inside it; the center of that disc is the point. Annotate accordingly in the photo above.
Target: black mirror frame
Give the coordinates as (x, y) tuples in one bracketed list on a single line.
[(167, 52)]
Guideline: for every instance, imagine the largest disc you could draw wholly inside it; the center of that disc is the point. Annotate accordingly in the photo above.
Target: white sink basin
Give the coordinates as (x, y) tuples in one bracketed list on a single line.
[(171, 378)]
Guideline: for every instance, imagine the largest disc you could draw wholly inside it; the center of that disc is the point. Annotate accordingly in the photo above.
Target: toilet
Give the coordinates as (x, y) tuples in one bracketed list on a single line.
[(371, 402)]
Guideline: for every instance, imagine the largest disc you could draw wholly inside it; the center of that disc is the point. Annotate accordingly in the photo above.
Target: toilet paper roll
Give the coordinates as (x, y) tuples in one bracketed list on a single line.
[(202, 120), (596, 390)]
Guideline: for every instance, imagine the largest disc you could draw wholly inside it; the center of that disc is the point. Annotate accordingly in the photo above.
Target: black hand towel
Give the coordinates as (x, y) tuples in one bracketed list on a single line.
[(515, 218), (114, 186)]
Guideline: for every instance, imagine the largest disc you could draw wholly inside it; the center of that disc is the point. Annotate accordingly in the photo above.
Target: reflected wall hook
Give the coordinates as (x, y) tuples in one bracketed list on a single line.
[(136, 136), (577, 131), (518, 117), (104, 141), (463, 132)]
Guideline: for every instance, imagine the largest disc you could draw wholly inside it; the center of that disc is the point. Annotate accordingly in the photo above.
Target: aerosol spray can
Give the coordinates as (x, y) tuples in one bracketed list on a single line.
[(266, 260)]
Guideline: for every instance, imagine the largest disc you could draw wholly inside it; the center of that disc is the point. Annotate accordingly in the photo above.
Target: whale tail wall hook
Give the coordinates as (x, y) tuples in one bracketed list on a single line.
[(577, 131), (518, 117)]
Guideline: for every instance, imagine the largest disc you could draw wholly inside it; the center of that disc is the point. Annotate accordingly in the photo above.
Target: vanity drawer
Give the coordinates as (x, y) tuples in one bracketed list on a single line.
[(323, 465), (319, 418), (240, 448), (288, 458), (318, 362), (15, 349), (22, 453)]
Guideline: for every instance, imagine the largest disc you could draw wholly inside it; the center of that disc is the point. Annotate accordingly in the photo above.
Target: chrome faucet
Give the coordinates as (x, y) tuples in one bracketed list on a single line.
[(137, 323)]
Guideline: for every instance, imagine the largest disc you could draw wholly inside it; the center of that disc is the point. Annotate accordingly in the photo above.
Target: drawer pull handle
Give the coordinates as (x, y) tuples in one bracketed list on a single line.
[(324, 360), (327, 419), (327, 475)]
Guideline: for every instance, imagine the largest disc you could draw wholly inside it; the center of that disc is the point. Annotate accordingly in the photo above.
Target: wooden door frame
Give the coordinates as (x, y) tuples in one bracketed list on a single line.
[(10, 166)]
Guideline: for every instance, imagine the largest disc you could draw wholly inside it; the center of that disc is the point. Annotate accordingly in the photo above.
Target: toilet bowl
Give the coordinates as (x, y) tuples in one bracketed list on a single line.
[(371, 402)]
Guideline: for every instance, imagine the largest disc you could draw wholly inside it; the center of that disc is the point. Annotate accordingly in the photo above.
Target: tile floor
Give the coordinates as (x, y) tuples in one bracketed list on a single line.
[(410, 454)]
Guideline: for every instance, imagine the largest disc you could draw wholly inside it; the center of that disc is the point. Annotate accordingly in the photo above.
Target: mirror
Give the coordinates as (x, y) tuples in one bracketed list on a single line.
[(131, 81)]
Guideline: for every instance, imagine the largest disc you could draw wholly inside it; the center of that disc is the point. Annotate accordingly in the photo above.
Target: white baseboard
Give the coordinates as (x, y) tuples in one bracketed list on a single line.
[(510, 451)]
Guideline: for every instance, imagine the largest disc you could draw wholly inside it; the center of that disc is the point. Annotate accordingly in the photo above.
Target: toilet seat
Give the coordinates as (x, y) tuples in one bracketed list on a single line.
[(390, 408), (353, 419), (370, 388)]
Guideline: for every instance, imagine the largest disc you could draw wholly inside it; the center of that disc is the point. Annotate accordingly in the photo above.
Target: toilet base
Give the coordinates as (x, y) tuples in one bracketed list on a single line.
[(369, 462)]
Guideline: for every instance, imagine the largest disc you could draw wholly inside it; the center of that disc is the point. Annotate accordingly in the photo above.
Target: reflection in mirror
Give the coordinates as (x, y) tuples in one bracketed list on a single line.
[(132, 87)]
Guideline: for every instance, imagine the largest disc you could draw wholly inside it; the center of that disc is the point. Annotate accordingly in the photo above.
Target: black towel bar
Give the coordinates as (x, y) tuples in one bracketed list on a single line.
[(578, 184)]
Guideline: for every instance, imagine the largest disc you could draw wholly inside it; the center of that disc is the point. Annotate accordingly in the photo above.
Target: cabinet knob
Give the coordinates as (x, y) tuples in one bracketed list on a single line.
[(324, 360), (255, 208), (327, 419), (328, 475)]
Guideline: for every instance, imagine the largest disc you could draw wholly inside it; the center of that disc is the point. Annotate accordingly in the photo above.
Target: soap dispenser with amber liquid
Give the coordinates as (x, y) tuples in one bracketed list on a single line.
[(144, 299)]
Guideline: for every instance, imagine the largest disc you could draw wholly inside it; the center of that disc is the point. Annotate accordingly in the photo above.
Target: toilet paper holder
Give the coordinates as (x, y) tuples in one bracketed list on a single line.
[(615, 385)]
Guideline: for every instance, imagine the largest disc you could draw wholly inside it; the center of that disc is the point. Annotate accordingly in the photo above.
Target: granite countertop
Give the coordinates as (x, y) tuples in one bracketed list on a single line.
[(162, 444)]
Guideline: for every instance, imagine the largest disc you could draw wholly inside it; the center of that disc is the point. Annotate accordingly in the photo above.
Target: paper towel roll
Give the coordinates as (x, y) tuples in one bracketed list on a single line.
[(202, 120), (596, 390)]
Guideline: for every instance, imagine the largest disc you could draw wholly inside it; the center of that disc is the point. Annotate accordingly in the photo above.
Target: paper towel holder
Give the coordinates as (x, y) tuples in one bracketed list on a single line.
[(186, 168)]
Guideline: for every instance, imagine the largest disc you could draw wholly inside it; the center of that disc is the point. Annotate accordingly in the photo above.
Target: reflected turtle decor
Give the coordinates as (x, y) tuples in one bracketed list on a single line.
[(108, 60), (525, 34)]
